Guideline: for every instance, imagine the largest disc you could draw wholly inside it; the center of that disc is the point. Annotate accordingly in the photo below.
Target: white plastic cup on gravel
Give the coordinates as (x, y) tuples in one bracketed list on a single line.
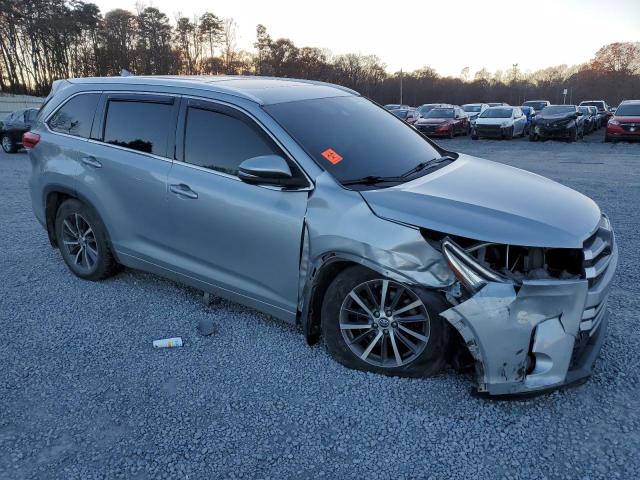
[(168, 343)]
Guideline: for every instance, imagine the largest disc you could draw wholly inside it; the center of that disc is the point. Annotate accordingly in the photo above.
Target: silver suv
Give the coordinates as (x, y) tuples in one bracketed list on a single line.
[(310, 203)]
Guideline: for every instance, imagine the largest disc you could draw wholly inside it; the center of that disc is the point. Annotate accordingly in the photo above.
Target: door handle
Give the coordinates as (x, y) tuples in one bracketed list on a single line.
[(183, 190), (91, 161)]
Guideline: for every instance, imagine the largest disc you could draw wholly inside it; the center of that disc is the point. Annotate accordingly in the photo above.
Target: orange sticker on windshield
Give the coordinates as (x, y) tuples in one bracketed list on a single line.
[(331, 155)]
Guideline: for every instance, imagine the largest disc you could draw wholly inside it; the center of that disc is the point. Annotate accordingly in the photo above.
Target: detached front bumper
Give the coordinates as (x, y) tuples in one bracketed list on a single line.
[(544, 334)]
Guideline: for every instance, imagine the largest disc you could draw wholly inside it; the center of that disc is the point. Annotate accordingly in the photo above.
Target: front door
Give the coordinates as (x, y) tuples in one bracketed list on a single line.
[(241, 238)]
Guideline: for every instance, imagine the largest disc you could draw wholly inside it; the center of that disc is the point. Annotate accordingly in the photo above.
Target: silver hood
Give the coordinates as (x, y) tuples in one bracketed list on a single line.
[(491, 202)]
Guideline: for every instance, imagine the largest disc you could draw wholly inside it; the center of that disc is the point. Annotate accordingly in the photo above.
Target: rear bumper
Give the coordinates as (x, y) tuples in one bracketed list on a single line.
[(545, 335)]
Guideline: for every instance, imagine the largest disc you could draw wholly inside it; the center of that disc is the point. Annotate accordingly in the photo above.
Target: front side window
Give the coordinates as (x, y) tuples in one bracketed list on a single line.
[(139, 125), (76, 116), (221, 142)]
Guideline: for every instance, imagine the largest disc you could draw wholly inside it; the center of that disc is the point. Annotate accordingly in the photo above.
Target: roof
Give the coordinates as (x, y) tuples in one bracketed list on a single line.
[(262, 90)]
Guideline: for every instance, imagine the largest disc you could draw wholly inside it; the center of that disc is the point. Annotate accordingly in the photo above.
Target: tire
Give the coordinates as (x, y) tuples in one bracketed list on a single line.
[(8, 145), (533, 137), (474, 137), (87, 255), (509, 134), (573, 134), (427, 358)]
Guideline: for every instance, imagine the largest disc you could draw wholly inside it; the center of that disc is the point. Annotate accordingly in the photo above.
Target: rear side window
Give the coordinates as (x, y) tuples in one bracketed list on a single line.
[(221, 142), (141, 126), (76, 116)]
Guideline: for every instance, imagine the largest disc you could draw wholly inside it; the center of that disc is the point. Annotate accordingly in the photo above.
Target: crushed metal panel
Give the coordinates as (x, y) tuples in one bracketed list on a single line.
[(499, 325)]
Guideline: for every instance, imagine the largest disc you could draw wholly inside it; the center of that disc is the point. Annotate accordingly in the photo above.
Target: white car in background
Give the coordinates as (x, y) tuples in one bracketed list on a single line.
[(500, 122), (473, 110)]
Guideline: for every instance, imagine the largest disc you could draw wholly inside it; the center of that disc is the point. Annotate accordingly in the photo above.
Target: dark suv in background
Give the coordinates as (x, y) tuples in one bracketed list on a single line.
[(13, 127)]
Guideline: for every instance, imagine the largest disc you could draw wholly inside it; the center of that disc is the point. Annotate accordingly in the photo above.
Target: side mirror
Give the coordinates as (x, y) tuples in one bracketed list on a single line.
[(578, 114), (266, 170)]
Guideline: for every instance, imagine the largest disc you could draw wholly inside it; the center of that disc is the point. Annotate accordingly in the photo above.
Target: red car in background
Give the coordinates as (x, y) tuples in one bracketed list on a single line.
[(444, 122), (625, 124)]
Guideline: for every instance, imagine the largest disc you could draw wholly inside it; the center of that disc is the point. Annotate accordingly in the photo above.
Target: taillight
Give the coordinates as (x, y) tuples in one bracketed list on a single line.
[(30, 139)]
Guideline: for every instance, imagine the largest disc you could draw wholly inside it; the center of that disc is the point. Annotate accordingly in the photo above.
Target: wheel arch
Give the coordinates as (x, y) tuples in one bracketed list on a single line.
[(54, 196), (321, 274)]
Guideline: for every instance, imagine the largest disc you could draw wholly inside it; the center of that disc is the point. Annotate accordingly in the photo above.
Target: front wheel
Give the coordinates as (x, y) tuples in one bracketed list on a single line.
[(573, 134), (376, 324), (8, 145)]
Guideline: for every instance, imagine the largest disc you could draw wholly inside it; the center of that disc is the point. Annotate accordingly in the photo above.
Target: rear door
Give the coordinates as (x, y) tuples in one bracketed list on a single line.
[(129, 162), (243, 239)]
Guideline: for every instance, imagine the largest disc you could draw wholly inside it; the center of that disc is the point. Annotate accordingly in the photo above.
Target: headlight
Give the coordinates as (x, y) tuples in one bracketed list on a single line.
[(614, 122), (471, 274), (504, 124)]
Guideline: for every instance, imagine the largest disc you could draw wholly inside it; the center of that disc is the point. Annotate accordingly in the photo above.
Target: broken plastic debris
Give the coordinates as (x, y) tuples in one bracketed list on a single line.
[(168, 343)]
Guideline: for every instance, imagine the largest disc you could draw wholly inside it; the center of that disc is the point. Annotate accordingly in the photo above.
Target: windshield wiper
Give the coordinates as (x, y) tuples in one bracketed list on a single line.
[(428, 164), (372, 180)]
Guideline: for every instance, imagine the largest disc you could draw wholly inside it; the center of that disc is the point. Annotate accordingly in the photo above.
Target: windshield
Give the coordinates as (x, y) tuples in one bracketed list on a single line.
[(585, 109), (558, 110), (598, 104), (352, 138), (426, 108), (400, 113), (629, 110), (440, 113), (537, 106), (496, 113), (471, 108)]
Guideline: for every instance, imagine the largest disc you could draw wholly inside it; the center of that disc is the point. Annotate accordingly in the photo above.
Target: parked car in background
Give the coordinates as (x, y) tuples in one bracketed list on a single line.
[(589, 116), (603, 110), (394, 106), (594, 117), (500, 122), (530, 113), (537, 105), (444, 122), (14, 126), (558, 121), (390, 249), (409, 115), (498, 104), (473, 110), (625, 124), (427, 107)]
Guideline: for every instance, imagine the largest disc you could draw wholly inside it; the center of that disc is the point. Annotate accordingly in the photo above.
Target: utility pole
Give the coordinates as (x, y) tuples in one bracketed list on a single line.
[(400, 86)]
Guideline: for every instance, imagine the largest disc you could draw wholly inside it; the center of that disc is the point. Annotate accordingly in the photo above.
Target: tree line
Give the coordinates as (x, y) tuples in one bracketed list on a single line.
[(45, 40)]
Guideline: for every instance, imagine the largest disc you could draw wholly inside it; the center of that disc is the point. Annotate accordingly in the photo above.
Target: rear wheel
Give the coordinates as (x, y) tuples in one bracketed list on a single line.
[(376, 324), (8, 145), (83, 242)]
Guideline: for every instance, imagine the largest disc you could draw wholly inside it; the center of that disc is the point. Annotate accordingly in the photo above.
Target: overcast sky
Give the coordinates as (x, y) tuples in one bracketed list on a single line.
[(447, 35)]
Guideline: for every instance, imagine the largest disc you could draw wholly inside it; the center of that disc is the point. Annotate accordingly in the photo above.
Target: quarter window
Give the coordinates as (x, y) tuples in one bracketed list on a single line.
[(141, 126), (76, 116), (220, 142)]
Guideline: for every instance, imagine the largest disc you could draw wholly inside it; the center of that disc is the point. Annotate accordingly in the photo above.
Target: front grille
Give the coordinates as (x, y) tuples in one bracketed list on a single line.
[(488, 129), (427, 128), (628, 126), (597, 256)]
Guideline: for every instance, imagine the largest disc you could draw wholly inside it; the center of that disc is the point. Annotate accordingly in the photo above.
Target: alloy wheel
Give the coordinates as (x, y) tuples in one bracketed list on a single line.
[(384, 323), (79, 240), (7, 145)]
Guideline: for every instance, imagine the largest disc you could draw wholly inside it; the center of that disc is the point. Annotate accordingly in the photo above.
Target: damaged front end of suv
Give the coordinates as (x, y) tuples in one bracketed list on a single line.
[(532, 318)]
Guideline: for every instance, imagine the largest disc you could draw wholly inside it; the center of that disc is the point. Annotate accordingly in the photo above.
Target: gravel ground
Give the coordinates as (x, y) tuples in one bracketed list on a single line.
[(84, 395)]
